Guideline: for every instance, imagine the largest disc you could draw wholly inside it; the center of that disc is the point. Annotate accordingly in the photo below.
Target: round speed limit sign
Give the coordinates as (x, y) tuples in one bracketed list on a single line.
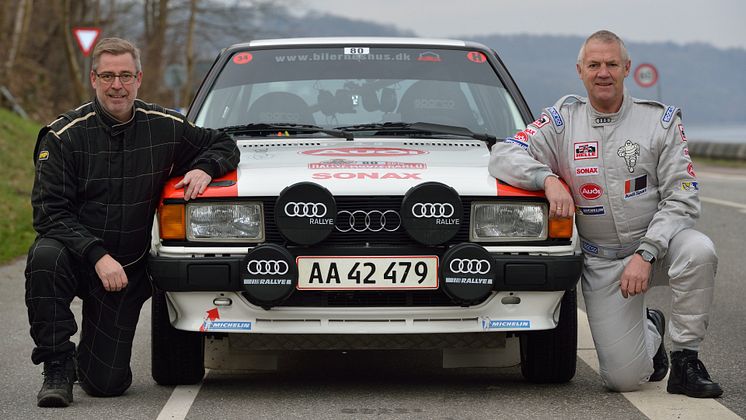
[(646, 75)]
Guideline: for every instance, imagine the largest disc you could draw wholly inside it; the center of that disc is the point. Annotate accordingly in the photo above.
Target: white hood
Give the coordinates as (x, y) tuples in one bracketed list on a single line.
[(363, 166)]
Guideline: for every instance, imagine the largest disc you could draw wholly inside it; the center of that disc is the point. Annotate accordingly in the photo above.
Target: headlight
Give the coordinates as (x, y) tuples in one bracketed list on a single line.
[(514, 221), (225, 222)]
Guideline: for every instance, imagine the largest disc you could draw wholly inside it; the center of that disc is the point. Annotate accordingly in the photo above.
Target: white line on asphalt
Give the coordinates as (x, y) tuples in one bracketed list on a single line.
[(723, 202), (181, 400), (727, 177), (652, 399)]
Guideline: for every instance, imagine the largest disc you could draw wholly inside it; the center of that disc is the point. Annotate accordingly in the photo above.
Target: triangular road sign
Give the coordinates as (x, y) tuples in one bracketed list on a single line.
[(86, 37)]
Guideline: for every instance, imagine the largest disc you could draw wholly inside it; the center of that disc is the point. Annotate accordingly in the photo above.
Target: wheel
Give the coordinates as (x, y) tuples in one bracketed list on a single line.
[(178, 357), (550, 356)]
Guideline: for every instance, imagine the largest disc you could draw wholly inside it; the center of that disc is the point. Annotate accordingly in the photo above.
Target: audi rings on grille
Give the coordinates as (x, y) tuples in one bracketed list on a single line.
[(420, 210), (301, 209), (372, 221), (469, 266), (278, 267)]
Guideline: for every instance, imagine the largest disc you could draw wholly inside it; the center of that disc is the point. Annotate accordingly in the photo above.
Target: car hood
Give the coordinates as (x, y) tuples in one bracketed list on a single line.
[(365, 166), (381, 166)]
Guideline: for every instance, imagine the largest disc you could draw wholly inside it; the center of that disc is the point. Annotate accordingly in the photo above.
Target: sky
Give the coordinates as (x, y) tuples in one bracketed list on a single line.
[(721, 23)]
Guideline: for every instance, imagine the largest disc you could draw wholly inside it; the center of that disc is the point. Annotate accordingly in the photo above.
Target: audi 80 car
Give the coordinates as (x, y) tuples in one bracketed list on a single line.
[(362, 215)]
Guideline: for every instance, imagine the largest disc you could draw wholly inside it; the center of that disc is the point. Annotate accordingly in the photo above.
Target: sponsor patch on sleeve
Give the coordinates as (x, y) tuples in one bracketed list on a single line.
[(668, 115), (689, 186), (690, 170), (556, 117), (635, 186), (514, 140), (44, 155), (542, 121), (681, 132)]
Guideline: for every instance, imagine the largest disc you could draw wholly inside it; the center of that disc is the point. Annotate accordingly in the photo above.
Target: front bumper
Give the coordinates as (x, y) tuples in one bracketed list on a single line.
[(222, 274)]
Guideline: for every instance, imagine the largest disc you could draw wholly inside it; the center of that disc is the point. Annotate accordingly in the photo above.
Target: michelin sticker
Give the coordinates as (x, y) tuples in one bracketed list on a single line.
[(212, 323), (502, 324)]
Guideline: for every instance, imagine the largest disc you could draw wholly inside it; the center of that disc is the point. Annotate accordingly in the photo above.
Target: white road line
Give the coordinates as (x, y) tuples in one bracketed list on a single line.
[(181, 400), (715, 175), (652, 399), (723, 202)]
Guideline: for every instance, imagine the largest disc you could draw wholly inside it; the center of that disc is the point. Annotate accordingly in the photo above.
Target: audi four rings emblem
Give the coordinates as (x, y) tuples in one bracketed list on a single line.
[(301, 209), (469, 266), (278, 267), (373, 221), (420, 210)]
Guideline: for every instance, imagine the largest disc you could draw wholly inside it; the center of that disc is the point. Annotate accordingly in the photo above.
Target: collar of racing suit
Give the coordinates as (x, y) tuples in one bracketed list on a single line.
[(599, 119), (111, 124)]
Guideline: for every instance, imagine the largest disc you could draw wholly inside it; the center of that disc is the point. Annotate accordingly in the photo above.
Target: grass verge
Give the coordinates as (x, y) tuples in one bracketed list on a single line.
[(17, 139)]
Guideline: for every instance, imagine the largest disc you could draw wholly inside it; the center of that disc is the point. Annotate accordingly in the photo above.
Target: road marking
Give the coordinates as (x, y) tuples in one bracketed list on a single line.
[(721, 176), (723, 203), (181, 401), (652, 399)]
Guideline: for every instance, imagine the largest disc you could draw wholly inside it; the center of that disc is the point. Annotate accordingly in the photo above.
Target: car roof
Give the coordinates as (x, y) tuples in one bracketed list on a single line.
[(354, 40)]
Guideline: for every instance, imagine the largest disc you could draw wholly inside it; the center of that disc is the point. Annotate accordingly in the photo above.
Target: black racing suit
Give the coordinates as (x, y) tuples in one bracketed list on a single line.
[(96, 188)]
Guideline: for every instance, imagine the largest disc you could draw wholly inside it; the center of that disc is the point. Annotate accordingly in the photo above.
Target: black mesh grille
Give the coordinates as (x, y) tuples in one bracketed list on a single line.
[(352, 238)]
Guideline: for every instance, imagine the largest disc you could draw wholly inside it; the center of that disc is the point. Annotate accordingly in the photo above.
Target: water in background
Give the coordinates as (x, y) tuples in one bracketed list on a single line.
[(721, 133)]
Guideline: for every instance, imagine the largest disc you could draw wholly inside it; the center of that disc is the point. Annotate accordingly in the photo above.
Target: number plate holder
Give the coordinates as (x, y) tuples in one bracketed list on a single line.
[(367, 272)]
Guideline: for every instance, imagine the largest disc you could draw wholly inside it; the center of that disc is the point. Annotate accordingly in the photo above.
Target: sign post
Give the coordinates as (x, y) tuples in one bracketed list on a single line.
[(646, 75)]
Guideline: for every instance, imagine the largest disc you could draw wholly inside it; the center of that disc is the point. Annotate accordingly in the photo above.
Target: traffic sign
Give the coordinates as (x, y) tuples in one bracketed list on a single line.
[(646, 75), (86, 37)]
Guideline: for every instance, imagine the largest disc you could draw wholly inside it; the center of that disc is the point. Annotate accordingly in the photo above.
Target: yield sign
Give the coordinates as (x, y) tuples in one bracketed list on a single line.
[(86, 37)]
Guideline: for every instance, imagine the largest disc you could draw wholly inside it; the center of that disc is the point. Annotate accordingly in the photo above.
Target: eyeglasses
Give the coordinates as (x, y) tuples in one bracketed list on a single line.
[(124, 78)]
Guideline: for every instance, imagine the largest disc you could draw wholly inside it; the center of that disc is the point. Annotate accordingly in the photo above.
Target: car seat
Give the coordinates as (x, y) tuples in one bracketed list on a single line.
[(280, 107), (436, 102)]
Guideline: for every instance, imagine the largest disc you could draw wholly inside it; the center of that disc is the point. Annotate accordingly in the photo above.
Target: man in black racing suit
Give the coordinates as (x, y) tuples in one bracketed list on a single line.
[(99, 172)]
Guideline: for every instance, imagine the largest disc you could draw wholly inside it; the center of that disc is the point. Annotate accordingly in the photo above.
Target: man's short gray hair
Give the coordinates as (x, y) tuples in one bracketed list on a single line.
[(115, 46), (604, 36)]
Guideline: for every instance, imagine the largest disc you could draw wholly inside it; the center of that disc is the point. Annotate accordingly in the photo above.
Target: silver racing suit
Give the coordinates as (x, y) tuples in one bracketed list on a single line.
[(634, 189)]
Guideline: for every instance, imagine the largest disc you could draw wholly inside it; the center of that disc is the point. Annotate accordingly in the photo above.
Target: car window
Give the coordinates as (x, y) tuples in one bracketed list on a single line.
[(334, 87)]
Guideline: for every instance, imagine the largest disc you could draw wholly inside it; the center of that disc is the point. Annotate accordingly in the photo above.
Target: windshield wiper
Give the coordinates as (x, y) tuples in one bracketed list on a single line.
[(266, 129), (421, 128)]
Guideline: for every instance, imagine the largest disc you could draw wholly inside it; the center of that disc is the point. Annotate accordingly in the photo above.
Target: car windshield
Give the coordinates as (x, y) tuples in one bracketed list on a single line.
[(361, 89)]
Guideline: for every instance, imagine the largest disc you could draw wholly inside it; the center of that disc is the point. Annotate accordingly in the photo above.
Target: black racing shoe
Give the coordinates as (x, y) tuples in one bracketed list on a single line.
[(660, 360), (57, 389), (689, 376)]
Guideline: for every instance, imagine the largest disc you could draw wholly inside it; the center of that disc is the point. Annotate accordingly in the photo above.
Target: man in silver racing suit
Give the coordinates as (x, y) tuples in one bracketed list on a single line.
[(635, 196)]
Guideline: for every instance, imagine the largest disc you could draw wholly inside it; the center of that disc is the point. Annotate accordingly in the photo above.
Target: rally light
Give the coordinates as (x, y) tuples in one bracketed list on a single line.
[(225, 222), (171, 221), (508, 221), (560, 227)]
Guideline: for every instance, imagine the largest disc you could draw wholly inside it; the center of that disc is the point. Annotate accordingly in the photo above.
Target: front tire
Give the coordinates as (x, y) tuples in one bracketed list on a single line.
[(550, 356), (178, 356)]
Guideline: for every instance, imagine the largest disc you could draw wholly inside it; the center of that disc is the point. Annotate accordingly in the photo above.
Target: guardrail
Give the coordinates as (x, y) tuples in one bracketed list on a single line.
[(714, 150)]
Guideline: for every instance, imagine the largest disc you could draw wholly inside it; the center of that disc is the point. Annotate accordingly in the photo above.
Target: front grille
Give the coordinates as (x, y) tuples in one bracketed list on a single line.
[(352, 238)]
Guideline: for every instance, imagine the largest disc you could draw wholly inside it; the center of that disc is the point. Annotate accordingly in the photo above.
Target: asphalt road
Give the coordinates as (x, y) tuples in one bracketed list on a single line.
[(398, 384)]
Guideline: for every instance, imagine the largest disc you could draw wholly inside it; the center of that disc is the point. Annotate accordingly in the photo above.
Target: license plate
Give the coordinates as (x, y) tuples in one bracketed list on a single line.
[(367, 273)]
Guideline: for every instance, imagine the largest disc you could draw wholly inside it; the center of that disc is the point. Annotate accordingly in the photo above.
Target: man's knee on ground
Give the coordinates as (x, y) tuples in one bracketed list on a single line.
[(621, 381), (105, 385)]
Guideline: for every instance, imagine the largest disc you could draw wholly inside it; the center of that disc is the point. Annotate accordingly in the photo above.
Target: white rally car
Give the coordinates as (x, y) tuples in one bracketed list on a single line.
[(362, 215)]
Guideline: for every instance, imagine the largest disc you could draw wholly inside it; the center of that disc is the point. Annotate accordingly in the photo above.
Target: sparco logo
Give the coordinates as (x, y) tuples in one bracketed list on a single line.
[(300, 209), (364, 151), (591, 191), (267, 267), (430, 210), (469, 266)]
